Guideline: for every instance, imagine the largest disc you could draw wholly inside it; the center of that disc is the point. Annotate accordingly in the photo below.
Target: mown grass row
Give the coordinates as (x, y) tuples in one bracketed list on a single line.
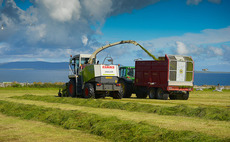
[(212, 113), (108, 127)]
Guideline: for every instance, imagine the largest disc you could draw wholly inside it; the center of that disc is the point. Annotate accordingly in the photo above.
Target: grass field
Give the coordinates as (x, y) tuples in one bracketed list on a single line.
[(35, 114)]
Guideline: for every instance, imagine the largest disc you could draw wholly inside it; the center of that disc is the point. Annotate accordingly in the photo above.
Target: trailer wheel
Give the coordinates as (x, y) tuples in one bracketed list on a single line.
[(165, 96), (152, 93), (172, 97), (141, 92), (89, 91), (127, 90), (162, 95), (159, 93), (185, 96), (72, 88)]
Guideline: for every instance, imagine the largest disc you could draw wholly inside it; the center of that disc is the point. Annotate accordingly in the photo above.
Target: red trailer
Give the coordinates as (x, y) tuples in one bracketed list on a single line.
[(171, 76)]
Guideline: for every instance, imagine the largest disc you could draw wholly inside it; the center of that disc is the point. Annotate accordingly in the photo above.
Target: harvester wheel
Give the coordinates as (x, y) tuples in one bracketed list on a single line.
[(117, 94), (89, 91), (127, 90), (152, 93), (72, 88)]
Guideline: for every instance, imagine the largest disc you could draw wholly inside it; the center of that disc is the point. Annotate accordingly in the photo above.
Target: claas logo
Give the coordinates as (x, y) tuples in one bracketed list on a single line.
[(108, 67)]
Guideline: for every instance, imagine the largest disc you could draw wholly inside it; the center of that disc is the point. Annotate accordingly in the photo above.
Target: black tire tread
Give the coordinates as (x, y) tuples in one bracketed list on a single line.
[(128, 89), (91, 90), (73, 82)]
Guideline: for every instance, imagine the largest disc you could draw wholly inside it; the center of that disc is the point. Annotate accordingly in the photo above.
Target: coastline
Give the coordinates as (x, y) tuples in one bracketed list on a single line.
[(211, 72), (12, 84)]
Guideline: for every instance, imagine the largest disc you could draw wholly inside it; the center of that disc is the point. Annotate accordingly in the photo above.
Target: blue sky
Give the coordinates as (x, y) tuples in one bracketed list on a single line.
[(169, 18), (47, 30)]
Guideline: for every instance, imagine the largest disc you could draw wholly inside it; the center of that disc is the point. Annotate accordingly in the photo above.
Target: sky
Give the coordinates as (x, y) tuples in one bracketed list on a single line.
[(52, 30)]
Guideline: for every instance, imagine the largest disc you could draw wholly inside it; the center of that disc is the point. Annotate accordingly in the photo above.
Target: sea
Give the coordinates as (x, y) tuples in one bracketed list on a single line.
[(30, 76)]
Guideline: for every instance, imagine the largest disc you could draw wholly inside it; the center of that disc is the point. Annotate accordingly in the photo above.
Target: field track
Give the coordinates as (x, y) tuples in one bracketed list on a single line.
[(211, 126)]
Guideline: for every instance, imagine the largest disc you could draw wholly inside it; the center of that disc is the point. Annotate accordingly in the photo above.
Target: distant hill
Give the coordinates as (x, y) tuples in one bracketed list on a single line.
[(38, 65)]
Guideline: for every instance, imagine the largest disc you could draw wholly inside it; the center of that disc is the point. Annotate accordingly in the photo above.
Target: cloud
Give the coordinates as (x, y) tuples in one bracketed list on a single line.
[(193, 2), (84, 40), (61, 10), (181, 48), (226, 53), (3, 47), (208, 44), (215, 1), (216, 51), (58, 25), (199, 51), (207, 36), (196, 2)]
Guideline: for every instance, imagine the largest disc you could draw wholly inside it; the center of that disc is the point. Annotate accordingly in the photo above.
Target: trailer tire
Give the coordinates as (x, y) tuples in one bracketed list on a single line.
[(141, 92), (172, 97), (127, 89), (165, 96), (152, 93), (72, 88), (162, 95), (185, 96), (89, 91)]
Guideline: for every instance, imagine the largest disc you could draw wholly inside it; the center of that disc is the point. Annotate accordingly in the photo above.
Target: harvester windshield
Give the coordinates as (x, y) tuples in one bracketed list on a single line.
[(77, 61)]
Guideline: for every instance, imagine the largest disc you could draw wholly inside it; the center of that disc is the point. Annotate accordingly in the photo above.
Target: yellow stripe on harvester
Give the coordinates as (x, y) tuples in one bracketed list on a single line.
[(109, 74)]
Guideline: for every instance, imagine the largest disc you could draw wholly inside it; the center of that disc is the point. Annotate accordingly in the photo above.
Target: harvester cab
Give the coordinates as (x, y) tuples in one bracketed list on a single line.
[(77, 63)]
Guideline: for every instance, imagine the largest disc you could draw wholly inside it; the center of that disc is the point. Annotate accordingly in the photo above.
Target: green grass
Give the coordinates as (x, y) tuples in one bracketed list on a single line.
[(37, 85), (13, 129), (202, 99), (108, 127), (213, 113)]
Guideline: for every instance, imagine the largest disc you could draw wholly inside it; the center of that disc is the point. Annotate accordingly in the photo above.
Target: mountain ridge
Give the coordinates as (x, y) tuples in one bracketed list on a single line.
[(35, 65)]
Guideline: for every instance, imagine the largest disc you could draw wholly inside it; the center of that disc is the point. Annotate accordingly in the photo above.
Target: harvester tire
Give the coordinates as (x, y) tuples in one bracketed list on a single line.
[(152, 93), (127, 89), (117, 94), (89, 91), (72, 88)]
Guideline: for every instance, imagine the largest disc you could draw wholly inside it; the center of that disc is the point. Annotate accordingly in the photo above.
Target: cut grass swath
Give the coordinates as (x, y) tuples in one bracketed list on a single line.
[(108, 127), (212, 113)]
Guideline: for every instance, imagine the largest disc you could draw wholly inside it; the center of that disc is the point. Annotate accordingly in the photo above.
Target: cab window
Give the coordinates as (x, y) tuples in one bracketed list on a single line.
[(84, 60)]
